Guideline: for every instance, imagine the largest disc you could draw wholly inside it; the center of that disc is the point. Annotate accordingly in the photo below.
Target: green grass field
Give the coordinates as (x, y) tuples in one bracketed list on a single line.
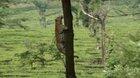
[(12, 42)]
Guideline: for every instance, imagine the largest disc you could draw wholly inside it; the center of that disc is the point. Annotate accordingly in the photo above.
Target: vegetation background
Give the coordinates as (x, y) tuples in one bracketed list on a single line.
[(27, 48)]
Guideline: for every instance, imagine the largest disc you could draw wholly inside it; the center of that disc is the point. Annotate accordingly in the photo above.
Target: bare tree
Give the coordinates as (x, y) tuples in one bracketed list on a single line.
[(99, 17)]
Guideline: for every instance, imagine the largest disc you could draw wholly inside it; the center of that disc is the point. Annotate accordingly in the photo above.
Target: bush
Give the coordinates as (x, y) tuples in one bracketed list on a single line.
[(124, 61), (35, 55)]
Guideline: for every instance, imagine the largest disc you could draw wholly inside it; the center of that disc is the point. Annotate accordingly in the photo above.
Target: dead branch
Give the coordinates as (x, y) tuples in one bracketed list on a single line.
[(89, 15)]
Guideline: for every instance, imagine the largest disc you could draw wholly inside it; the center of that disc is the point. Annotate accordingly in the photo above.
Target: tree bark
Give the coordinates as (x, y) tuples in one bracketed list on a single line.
[(103, 49), (68, 37)]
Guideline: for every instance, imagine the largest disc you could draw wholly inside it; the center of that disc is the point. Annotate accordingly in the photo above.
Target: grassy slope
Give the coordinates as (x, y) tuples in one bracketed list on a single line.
[(11, 42)]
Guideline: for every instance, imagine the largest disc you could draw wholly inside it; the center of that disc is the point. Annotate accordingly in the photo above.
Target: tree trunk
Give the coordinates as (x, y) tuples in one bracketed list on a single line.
[(68, 37), (103, 46)]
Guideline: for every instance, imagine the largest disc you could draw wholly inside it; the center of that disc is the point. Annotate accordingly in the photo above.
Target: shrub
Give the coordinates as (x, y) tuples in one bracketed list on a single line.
[(124, 61)]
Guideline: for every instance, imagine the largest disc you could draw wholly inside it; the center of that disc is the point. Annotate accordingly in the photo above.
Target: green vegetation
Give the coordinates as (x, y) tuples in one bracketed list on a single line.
[(38, 44)]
